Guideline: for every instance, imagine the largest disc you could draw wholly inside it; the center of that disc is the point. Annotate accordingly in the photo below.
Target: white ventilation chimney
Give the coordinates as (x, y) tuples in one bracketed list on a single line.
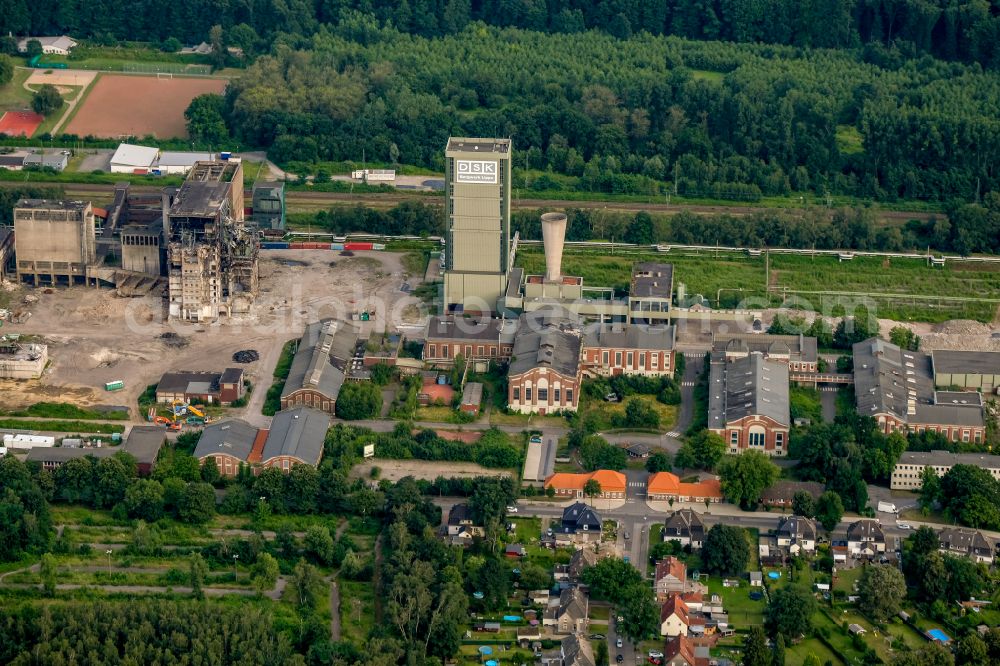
[(553, 235)]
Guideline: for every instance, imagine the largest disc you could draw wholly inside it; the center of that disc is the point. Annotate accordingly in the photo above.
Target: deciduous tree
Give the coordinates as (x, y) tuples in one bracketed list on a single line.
[(746, 476), (881, 590)]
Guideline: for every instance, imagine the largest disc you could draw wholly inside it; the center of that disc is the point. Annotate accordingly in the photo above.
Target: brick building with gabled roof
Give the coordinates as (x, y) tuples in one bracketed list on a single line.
[(571, 485)]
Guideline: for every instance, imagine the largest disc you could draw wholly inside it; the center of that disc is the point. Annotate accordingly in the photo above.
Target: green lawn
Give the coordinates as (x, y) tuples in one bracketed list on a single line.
[(743, 611), (526, 530), (603, 413), (905, 289), (846, 579), (13, 96), (796, 654), (357, 611), (706, 75), (849, 140)]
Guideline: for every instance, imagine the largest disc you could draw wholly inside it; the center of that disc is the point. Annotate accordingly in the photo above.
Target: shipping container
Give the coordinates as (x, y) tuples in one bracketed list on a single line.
[(378, 246), (116, 385), (317, 246), (357, 246), (336, 246), (274, 245), (296, 246)]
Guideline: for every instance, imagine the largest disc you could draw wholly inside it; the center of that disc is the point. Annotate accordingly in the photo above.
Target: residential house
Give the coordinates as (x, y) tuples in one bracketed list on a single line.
[(782, 493), (756, 579), (680, 651), (748, 403), (545, 372), (670, 576), (797, 534), (666, 486), (967, 543), (686, 527), (320, 365), (472, 398), (296, 437), (571, 485), (638, 450), (51, 45), (637, 349), (577, 651), (674, 616), (865, 538), (909, 470), (579, 517), (896, 388), (222, 388), (569, 614), (461, 524), (582, 559)]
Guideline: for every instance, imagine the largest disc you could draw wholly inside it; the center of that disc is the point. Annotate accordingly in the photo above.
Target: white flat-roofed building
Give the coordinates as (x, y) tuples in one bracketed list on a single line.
[(172, 162), (129, 158)]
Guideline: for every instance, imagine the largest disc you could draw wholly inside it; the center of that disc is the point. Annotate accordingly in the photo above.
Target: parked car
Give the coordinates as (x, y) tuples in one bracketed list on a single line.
[(656, 654), (611, 397), (597, 637), (619, 659), (535, 439), (618, 643), (627, 536), (511, 509), (903, 526)]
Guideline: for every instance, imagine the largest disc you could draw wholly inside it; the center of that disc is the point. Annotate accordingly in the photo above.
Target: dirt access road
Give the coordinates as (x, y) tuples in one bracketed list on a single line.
[(96, 337)]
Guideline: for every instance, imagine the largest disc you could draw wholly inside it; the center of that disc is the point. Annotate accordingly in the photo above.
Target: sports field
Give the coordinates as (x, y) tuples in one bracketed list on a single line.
[(122, 105), (14, 123)]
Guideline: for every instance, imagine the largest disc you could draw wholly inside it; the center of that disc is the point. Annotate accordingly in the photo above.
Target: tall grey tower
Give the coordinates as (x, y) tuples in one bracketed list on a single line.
[(477, 209)]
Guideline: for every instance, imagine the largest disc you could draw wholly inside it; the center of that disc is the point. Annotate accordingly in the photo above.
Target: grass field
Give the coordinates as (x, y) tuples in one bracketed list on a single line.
[(13, 96), (849, 140), (604, 413), (796, 654), (904, 289)]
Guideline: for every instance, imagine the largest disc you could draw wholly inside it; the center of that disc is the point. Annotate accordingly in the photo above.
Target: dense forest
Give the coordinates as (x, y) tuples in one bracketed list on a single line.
[(626, 116), (949, 29)]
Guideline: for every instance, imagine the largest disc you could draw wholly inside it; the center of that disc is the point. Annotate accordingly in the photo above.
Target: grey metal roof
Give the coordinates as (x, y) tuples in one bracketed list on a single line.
[(11, 160), (322, 356), (890, 380), (947, 459), (472, 393), (231, 376), (233, 437), (61, 454), (966, 362), (53, 160), (298, 433), (545, 346), (462, 329), (144, 443), (652, 279), (633, 336), (572, 601), (747, 386), (181, 382), (182, 158), (799, 346)]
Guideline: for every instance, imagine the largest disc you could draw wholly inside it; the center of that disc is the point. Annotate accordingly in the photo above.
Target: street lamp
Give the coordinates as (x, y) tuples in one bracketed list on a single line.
[(235, 557)]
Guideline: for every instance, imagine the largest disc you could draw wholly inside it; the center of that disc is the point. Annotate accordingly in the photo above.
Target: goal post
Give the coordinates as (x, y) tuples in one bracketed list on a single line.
[(160, 76)]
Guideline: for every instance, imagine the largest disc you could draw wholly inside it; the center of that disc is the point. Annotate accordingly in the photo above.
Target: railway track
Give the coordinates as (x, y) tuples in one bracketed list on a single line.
[(305, 201)]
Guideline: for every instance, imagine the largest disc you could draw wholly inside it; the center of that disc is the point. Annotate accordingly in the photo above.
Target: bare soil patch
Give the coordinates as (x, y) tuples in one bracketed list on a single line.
[(394, 470), (139, 106)]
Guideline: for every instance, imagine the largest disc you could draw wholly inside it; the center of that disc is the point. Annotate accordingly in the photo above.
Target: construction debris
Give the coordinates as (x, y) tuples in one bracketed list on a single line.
[(246, 356)]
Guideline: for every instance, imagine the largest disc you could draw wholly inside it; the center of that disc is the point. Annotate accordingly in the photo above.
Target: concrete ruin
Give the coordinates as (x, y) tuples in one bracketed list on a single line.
[(54, 241), (21, 360), (211, 251)]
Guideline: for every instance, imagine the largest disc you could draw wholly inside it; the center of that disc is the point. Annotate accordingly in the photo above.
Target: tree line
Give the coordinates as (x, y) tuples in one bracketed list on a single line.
[(647, 115), (959, 31)]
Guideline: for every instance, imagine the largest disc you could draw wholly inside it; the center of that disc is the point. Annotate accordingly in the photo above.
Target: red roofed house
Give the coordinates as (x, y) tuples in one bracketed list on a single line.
[(680, 652), (670, 576), (674, 618), (571, 485), (665, 486)]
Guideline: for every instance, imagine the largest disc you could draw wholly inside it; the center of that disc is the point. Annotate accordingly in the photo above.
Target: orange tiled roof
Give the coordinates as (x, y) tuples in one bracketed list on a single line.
[(673, 566), (674, 604), (666, 483), (258, 446), (610, 481)]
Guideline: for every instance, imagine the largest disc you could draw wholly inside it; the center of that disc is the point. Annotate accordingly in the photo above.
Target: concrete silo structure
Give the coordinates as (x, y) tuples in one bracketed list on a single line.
[(553, 237)]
